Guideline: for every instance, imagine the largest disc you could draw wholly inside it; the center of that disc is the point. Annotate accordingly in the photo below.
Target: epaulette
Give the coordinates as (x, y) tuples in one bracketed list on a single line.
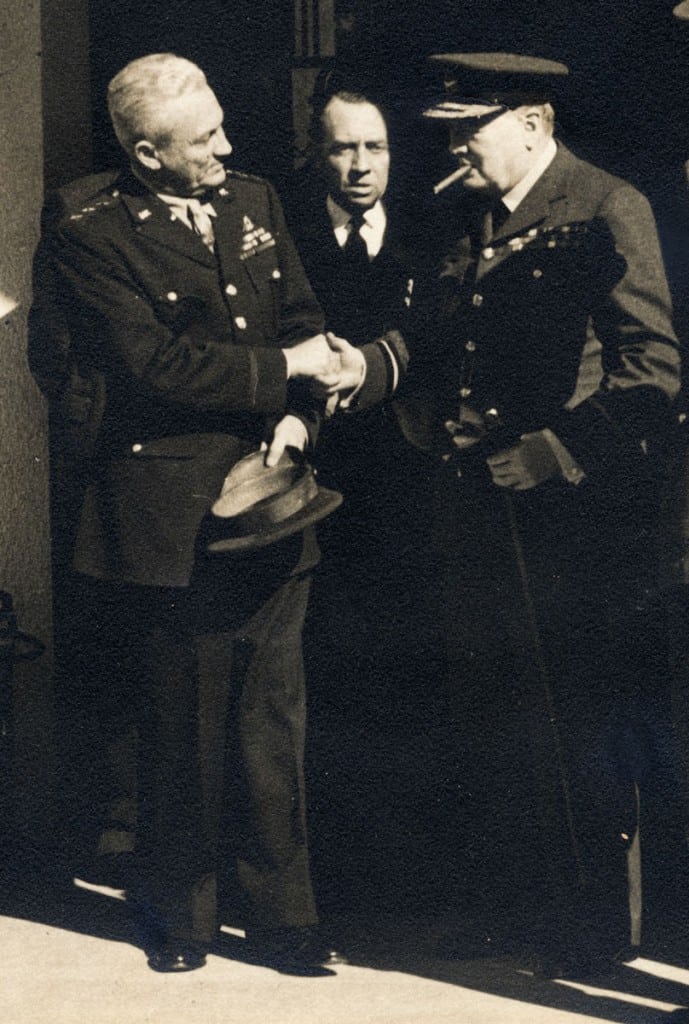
[(243, 176), (94, 205)]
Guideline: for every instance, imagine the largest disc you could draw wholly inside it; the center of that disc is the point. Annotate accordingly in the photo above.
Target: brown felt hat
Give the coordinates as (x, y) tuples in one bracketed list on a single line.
[(260, 504)]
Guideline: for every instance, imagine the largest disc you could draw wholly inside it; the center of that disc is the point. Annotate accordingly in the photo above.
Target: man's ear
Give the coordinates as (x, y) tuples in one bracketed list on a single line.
[(532, 118), (147, 155)]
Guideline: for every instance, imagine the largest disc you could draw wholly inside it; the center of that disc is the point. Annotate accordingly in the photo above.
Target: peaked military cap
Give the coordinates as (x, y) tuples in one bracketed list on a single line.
[(481, 86)]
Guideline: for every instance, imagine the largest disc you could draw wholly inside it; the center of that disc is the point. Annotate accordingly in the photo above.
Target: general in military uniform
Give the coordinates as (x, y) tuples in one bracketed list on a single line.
[(184, 323), (548, 362)]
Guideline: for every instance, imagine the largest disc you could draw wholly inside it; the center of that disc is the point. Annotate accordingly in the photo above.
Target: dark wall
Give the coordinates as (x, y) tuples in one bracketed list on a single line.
[(244, 46)]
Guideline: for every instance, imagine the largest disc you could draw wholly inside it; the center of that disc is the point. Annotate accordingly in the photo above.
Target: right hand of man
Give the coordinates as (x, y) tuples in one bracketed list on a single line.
[(313, 358)]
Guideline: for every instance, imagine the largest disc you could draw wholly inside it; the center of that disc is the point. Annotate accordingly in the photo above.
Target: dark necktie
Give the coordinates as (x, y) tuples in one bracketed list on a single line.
[(354, 249), (499, 213)]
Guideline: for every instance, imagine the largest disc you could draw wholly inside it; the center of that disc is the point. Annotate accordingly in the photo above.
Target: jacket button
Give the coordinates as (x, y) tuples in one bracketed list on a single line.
[(137, 447), (477, 300), (240, 322), (276, 275), (465, 392), (470, 346), (538, 273), (231, 289), (488, 253), (171, 296)]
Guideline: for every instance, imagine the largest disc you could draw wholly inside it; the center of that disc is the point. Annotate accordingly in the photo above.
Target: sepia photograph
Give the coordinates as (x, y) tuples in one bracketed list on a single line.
[(344, 512)]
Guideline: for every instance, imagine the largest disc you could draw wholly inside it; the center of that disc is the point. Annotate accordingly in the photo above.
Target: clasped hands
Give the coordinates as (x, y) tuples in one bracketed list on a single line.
[(331, 364), (520, 467), (334, 367)]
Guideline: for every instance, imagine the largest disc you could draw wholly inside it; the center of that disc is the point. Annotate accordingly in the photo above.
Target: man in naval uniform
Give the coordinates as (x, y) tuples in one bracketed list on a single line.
[(549, 365), (182, 304)]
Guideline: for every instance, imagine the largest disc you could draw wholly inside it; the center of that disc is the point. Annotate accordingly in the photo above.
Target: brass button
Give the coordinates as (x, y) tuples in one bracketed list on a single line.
[(276, 275), (240, 322), (171, 296), (470, 346), (231, 289), (477, 300), (464, 392), (137, 447)]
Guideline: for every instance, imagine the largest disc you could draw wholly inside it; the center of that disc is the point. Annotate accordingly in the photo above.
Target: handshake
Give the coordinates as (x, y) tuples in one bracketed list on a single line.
[(333, 366)]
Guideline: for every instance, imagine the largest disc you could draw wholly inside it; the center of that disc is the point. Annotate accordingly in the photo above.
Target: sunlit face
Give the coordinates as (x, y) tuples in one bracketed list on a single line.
[(356, 158), (496, 155), (190, 161)]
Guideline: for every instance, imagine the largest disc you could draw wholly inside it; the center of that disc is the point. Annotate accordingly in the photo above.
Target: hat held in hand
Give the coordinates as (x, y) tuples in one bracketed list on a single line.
[(260, 504)]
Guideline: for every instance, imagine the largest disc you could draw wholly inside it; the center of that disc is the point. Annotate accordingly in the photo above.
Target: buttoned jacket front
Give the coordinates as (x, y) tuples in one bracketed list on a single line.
[(561, 319), (188, 343)]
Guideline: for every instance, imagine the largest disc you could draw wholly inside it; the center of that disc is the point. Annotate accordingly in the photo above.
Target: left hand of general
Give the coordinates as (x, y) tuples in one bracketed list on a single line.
[(290, 432), (525, 465)]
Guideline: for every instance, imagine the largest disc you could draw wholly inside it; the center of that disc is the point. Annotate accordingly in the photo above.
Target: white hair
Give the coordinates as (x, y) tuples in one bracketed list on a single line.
[(138, 94)]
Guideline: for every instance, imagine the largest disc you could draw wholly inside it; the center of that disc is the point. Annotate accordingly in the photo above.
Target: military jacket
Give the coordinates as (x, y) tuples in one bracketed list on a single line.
[(561, 319), (188, 345)]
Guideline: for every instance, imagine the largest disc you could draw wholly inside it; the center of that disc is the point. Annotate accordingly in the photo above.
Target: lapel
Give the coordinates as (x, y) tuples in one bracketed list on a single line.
[(152, 219), (319, 232), (544, 206), (537, 206)]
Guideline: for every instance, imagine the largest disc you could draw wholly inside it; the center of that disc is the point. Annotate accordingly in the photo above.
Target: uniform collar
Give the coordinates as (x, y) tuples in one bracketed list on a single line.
[(513, 198)]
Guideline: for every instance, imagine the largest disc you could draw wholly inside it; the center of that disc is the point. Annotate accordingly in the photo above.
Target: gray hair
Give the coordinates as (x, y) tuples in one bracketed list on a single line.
[(138, 93)]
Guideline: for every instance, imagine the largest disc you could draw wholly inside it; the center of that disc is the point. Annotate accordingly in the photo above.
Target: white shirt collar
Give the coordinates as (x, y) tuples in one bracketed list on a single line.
[(513, 198), (372, 230), (179, 206)]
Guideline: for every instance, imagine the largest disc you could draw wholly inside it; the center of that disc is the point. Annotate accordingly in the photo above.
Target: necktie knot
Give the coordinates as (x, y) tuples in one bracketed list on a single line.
[(500, 213)]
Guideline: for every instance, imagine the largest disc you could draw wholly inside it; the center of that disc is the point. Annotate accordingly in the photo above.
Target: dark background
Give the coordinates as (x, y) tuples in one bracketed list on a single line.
[(626, 105)]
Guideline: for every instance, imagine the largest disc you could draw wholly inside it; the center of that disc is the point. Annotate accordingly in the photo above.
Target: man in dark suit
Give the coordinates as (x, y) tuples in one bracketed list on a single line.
[(549, 372), (358, 262), (182, 304)]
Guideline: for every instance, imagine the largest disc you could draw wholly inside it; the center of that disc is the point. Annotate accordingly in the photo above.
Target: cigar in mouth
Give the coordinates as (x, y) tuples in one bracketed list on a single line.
[(451, 179)]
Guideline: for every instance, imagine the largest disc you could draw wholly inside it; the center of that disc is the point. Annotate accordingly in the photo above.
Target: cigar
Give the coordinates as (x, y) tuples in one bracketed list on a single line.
[(450, 179)]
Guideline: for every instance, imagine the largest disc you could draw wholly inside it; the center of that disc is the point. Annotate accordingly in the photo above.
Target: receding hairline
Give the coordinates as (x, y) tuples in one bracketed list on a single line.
[(348, 97)]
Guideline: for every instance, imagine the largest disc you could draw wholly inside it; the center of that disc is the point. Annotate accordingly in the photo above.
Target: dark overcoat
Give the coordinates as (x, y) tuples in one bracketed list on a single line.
[(560, 320)]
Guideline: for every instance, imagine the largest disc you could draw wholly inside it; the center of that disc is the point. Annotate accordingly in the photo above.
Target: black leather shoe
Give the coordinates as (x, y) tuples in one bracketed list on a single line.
[(172, 958), (294, 951)]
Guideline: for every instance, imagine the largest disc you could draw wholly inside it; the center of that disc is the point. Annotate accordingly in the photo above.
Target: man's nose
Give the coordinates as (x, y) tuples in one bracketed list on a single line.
[(457, 146), (223, 146), (361, 162)]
